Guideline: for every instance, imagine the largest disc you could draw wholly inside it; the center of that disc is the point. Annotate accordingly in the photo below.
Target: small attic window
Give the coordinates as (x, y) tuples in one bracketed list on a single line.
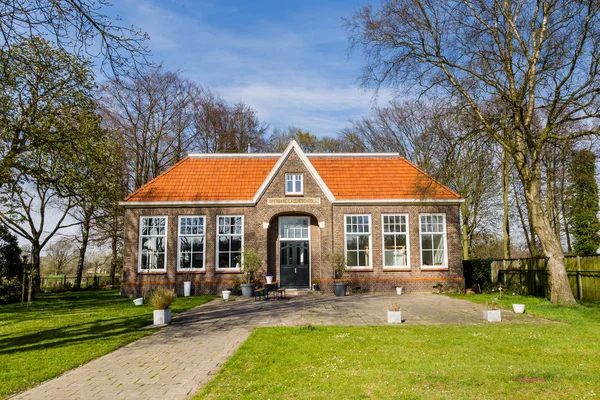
[(294, 184)]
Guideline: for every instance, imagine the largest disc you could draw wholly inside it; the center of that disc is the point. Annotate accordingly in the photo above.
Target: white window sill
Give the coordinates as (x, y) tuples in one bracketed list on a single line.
[(152, 271), (403, 268), (426, 267)]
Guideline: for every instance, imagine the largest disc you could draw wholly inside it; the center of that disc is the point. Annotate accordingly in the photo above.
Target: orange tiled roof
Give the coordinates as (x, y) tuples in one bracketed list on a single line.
[(210, 179), (239, 178), (372, 178)]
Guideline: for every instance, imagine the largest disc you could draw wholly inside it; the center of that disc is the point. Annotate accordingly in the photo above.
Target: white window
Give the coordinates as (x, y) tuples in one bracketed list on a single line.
[(395, 240), (433, 241), (191, 243), (230, 241), (291, 228), (153, 244), (294, 184), (358, 241)]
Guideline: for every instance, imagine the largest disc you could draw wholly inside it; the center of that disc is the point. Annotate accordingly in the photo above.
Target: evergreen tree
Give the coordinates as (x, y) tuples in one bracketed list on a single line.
[(583, 203)]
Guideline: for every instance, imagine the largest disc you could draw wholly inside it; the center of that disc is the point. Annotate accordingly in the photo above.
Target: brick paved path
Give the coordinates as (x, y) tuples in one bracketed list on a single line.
[(174, 362)]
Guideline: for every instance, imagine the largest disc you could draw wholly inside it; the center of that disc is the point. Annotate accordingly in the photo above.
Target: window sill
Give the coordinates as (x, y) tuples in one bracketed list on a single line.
[(423, 268), (153, 272), (359, 269), (195, 271), (395, 269), (294, 194), (228, 271)]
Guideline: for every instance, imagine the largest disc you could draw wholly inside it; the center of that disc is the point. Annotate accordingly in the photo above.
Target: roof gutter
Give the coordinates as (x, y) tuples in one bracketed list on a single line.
[(399, 201), (192, 203)]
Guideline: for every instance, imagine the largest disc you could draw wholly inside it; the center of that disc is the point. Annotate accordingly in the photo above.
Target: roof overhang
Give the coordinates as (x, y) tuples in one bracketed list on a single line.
[(192, 203), (399, 201)]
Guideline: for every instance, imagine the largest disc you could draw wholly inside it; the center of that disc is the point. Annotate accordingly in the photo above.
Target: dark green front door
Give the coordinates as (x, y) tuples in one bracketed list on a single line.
[(293, 264)]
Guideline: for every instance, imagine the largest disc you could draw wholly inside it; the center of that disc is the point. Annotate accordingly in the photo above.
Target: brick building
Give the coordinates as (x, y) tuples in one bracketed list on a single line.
[(395, 224)]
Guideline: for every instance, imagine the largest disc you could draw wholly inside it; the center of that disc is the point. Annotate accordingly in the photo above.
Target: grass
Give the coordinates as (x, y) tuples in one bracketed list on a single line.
[(64, 330), (519, 361)]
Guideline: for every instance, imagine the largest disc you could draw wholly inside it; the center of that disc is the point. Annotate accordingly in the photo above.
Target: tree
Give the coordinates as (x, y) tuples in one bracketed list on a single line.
[(49, 96), (11, 264), (531, 66), (583, 203), (281, 138), (60, 257), (77, 26), (222, 127)]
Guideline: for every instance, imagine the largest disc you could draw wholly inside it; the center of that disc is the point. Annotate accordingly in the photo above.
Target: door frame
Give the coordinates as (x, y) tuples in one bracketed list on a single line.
[(294, 240)]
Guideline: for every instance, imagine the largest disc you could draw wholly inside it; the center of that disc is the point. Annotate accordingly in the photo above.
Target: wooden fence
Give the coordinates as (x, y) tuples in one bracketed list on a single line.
[(532, 275)]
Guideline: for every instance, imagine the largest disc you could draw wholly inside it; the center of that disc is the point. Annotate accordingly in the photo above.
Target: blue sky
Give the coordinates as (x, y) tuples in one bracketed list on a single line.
[(288, 60)]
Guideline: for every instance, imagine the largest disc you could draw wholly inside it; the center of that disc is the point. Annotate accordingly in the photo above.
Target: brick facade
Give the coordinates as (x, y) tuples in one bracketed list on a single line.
[(326, 233)]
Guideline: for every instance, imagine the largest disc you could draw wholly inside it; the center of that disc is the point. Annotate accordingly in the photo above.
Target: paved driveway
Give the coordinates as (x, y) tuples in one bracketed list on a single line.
[(174, 362)]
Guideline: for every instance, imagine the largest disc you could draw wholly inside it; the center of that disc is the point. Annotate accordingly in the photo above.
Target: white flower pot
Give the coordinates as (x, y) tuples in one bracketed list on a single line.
[(187, 288), (139, 301), (269, 279), (226, 294), (162, 317), (492, 315), (399, 290), (519, 308), (394, 317)]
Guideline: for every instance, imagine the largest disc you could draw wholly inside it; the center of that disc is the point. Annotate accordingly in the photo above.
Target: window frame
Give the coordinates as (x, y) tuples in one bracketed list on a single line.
[(217, 235), (179, 236), (407, 234), (367, 267), (444, 266), (294, 192), (140, 236)]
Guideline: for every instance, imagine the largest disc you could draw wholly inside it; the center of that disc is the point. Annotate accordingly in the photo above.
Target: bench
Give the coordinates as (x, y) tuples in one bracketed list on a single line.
[(259, 294), (280, 293)]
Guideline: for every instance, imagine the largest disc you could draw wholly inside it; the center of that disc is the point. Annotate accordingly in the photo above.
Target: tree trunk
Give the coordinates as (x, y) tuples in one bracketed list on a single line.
[(34, 279), (505, 219), (85, 236), (560, 289), (113, 245), (464, 231)]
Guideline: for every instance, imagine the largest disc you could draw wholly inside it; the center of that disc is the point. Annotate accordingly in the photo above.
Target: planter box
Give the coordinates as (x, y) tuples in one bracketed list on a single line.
[(492, 315), (162, 317), (247, 289), (398, 290), (394, 317), (269, 279), (139, 301), (339, 288), (519, 308), (226, 294), (187, 288)]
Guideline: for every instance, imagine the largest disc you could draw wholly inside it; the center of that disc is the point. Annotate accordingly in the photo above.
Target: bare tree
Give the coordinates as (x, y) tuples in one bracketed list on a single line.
[(79, 26), (152, 115), (531, 65), (222, 127), (60, 257)]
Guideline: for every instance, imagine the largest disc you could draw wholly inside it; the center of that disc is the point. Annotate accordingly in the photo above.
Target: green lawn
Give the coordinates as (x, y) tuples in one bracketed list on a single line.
[(64, 330), (558, 361)]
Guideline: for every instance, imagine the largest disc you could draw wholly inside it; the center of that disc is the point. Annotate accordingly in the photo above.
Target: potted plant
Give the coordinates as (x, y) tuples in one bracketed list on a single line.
[(226, 294), (492, 313), (162, 300), (187, 285), (338, 263), (518, 308), (269, 278), (394, 314), (251, 262), (399, 290), (315, 285), (438, 286)]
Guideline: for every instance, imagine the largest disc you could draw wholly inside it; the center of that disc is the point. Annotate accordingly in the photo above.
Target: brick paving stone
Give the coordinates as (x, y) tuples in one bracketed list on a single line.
[(175, 361)]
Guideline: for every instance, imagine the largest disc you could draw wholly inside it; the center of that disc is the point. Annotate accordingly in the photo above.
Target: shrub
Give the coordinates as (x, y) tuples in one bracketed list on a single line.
[(162, 298), (251, 263), (10, 289), (394, 306)]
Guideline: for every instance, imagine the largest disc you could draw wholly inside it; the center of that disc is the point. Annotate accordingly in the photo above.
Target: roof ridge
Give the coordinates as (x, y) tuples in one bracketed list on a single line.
[(430, 177), (155, 178)]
